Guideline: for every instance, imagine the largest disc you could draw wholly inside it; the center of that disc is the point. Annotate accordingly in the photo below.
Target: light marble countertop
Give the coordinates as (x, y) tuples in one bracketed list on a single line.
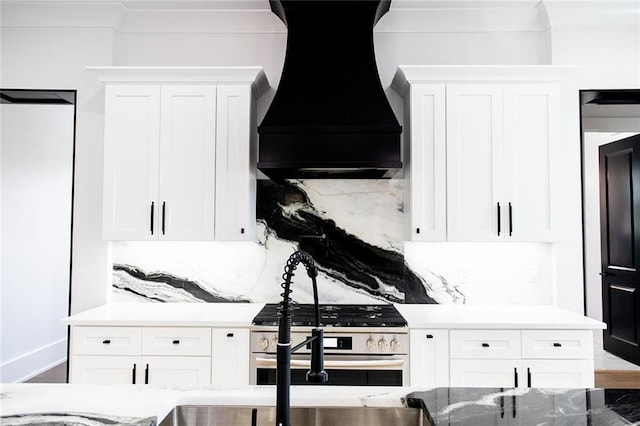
[(496, 317), (168, 315), (140, 402), (417, 316)]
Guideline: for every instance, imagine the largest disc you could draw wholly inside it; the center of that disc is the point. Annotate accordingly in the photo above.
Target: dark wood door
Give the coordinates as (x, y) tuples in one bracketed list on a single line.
[(620, 238)]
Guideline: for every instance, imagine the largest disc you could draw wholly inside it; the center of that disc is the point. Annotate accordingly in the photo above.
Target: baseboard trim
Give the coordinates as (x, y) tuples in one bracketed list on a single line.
[(31, 364), (618, 379)]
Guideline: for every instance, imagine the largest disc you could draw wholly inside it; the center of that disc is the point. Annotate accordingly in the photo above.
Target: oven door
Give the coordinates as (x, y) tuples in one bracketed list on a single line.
[(351, 370)]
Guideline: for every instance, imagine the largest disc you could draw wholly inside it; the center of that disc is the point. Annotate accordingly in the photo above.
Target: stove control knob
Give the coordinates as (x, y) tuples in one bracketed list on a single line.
[(264, 344), (395, 345), (274, 342), (382, 344), (371, 344)]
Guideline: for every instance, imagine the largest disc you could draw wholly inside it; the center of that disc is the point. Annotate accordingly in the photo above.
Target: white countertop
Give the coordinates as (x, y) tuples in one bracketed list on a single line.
[(495, 317), (168, 315), (135, 401), (417, 316)]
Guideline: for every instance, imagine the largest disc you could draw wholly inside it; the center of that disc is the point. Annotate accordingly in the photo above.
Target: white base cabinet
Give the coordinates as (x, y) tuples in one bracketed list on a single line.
[(429, 358), (502, 358), (159, 355), (230, 357)]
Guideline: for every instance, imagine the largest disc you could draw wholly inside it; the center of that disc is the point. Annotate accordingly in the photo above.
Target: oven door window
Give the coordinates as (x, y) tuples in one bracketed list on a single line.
[(267, 376)]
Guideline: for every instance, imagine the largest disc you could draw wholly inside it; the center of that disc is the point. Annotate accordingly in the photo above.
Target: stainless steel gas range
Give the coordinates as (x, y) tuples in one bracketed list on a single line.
[(364, 345)]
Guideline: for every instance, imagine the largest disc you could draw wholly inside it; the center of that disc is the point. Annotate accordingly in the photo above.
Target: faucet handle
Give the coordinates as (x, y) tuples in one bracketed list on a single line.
[(317, 374)]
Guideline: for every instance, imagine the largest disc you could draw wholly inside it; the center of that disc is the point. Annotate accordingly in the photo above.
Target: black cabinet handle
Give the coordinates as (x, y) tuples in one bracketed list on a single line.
[(163, 215), (417, 230), (528, 377), (499, 220), (557, 345), (510, 220), (485, 345), (429, 336), (176, 342), (133, 375), (242, 230), (106, 342), (146, 375), (515, 377), (229, 334), (153, 205)]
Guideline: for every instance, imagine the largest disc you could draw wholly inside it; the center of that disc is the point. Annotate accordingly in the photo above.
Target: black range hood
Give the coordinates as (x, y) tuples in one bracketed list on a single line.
[(330, 117)]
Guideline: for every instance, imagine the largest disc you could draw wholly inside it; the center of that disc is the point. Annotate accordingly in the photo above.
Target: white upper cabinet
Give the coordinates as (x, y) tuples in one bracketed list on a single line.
[(480, 150), (425, 147), (475, 173), (180, 153), (131, 162), (187, 163)]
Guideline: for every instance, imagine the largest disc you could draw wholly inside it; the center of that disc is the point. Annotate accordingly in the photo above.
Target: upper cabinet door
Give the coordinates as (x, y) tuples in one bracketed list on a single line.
[(475, 205), (132, 141), (425, 189), (235, 171), (531, 130), (187, 162)]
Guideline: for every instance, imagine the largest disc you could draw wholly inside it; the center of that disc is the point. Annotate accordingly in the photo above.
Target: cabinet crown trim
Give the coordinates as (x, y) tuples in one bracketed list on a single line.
[(416, 74), (245, 75)]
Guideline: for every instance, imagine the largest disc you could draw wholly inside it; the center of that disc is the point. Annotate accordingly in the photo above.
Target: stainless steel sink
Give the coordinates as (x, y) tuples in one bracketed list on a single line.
[(207, 415)]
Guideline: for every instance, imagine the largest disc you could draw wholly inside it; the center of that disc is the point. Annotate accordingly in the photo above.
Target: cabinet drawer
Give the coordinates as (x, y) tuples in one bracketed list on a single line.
[(485, 344), (554, 344), (106, 340), (176, 341)]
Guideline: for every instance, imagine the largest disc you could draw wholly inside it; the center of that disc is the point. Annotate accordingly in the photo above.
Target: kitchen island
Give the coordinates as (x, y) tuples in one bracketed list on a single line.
[(148, 405)]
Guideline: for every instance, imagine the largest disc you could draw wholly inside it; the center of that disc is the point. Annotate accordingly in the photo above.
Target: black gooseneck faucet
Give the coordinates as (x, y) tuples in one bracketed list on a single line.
[(283, 355)]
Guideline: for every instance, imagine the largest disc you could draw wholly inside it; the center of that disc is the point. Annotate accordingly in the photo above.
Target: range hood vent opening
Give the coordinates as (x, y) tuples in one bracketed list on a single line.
[(330, 117)]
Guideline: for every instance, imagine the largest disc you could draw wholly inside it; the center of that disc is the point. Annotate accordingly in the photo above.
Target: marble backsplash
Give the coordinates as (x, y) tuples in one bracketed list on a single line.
[(363, 261)]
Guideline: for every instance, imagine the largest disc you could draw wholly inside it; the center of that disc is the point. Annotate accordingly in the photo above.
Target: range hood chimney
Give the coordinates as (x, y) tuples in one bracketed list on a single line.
[(330, 117)]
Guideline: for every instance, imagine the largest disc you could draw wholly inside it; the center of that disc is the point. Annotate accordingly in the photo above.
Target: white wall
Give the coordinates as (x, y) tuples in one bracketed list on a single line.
[(45, 46), (37, 159)]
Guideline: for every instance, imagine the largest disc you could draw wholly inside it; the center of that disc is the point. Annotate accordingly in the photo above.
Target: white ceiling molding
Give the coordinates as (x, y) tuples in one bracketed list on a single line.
[(513, 18), (69, 14), (598, 13), (254, 16)]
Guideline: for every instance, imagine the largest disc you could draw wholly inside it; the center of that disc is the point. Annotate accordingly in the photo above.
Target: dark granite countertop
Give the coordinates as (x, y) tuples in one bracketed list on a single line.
[(499, 406)]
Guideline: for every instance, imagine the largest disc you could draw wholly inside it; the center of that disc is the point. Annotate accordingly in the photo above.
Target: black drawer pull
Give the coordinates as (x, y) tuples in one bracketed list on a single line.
[(229, 334), (146, 375), (106, 342), (429, 336), (133, 375), (485, 345), (176, 342), (242, 230), (417, 230), (557, 345)]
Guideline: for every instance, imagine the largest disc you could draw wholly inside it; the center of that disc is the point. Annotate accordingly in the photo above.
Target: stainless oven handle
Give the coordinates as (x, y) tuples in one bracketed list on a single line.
[(333, 364)]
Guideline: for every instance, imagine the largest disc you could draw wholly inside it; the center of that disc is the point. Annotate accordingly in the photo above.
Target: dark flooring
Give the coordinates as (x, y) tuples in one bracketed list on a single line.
[(57, 374)]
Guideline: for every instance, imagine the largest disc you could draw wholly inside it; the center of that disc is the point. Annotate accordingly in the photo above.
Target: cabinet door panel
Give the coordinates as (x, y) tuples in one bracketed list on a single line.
[(474, 162), (574, 373), (230, 357), (168, 370), (485, 373), (235, 170), (531, 130), (187, 163), (132, 140), (429, 358), (426, 187), (105, 370)]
